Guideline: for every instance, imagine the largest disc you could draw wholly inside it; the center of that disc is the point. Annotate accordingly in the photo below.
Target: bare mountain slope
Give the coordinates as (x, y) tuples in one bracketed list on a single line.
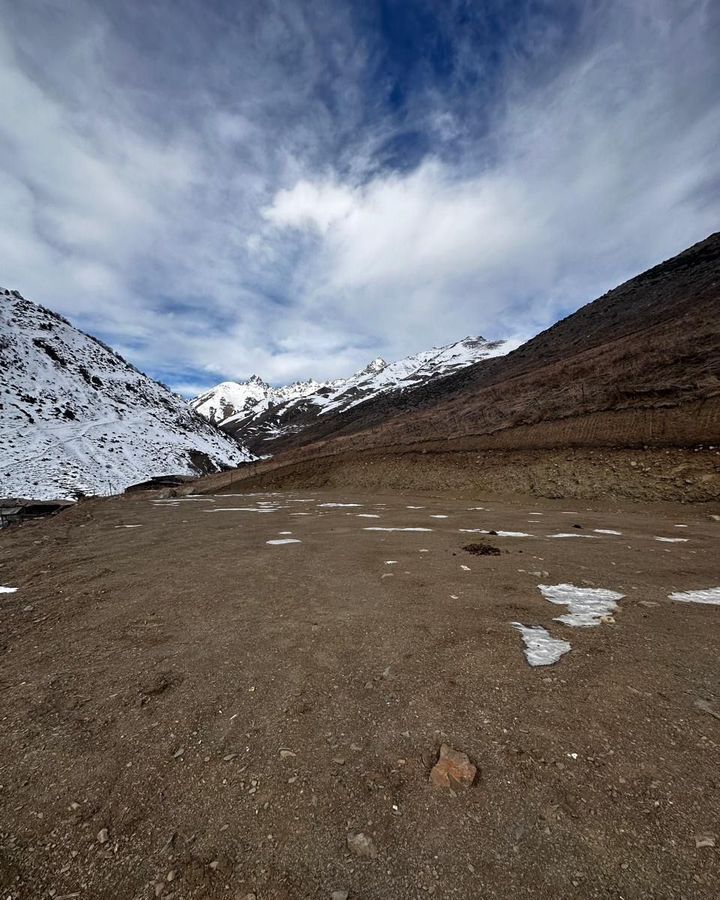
[(75, 418)]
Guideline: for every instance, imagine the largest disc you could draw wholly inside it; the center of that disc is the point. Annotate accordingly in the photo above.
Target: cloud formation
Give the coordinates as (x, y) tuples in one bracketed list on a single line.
[(294, 188)]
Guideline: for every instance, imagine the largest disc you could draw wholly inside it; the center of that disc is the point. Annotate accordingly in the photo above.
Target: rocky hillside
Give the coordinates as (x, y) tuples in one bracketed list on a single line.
[(76, 419)]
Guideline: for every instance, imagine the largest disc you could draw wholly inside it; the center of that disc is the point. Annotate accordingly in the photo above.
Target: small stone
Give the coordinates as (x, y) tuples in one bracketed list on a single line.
[(453, 769), (103, 836), (339, 895), (178, 753), (159, 888), (214, 864), (704, 840), (338, 760), (361, 845), (171, 875), (286, 754), (229, 756)]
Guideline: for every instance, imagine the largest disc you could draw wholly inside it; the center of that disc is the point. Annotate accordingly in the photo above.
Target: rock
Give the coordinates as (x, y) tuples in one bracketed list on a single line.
[(178, 753), (707, 707), (453, 769), (714, 518), (103, 836), (286, 754), (339, 761), (361, 845), (339, 895), (704, 840)]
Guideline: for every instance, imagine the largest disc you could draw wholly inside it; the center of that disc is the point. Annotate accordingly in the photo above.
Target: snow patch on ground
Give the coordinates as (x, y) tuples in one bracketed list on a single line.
[(588, 606), (667, 540), (284, 541), (378, 528), (606, 531), (709, 595), (573, 534), (541, 649), (7, 590), (495, 533)]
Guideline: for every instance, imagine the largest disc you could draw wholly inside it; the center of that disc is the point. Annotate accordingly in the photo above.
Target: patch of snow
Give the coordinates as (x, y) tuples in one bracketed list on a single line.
[(495, 533), (284, 541), (574, 534), (667, 540), (709, 595), (588, 606), (378, 528), (367, 516), (338, 505), (7, 590), (606, 531), (541, 649)]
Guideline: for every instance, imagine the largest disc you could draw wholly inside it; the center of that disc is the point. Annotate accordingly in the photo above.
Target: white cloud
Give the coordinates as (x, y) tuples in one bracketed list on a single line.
[(210, 195)]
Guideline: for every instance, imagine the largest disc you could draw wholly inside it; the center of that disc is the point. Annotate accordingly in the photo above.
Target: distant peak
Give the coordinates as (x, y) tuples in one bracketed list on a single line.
[(377, 365)]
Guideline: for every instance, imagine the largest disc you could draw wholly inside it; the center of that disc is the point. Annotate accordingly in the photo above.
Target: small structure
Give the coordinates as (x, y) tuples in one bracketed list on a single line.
[(15, 510), (160, 481)]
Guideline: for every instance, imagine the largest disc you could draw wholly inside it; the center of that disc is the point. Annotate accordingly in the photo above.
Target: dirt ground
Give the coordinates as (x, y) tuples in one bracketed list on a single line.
[(189, 711)]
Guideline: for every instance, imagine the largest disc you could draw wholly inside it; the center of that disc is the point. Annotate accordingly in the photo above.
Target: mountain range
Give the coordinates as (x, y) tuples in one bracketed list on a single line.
[(77, 419), (637, 369), (261, 416)]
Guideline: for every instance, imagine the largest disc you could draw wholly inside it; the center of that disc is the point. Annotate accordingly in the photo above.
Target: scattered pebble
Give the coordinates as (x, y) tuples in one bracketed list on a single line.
[(707, 839), (361, 845)]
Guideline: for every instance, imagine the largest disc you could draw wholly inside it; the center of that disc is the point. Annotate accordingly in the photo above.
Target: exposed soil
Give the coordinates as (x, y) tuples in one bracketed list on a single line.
[(189, 711), (672, 474)]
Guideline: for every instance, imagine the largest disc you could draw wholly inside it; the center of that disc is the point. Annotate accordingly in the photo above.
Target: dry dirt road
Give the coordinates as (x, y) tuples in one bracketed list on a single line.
[(190, 710)]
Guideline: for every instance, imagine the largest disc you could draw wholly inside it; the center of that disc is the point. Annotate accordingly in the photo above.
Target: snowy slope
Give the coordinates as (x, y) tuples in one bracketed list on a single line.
[(231, 398), (268, 419), (75, 418)]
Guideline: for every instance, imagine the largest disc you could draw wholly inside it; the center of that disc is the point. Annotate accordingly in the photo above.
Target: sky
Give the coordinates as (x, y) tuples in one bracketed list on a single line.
[(293, 187)]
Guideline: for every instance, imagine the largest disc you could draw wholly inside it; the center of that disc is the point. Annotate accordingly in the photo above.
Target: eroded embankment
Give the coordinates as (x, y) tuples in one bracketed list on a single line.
[(684, 475)]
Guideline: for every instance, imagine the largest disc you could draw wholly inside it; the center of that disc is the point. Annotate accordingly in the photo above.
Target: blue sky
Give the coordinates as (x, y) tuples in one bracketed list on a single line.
[(293, 188)]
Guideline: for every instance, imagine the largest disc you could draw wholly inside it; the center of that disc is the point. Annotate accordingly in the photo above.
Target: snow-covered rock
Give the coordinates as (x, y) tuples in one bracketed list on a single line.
[(75, 418), (231, 398), (283, 411)]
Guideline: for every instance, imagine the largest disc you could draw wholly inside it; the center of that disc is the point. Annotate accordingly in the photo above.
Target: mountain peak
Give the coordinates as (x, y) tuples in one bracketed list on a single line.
[(376, 365)]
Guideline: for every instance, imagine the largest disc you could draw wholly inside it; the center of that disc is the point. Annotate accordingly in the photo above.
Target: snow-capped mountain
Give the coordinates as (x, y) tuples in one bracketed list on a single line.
[(76, 419), (229, 398), (275, 415)]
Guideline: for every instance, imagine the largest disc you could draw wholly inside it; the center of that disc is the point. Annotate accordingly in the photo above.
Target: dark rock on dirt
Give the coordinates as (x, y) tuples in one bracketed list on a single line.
[(482, 549)]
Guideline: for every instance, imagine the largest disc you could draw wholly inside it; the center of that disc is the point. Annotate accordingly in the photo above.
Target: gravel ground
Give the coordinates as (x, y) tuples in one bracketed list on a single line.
[(191, 711)]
